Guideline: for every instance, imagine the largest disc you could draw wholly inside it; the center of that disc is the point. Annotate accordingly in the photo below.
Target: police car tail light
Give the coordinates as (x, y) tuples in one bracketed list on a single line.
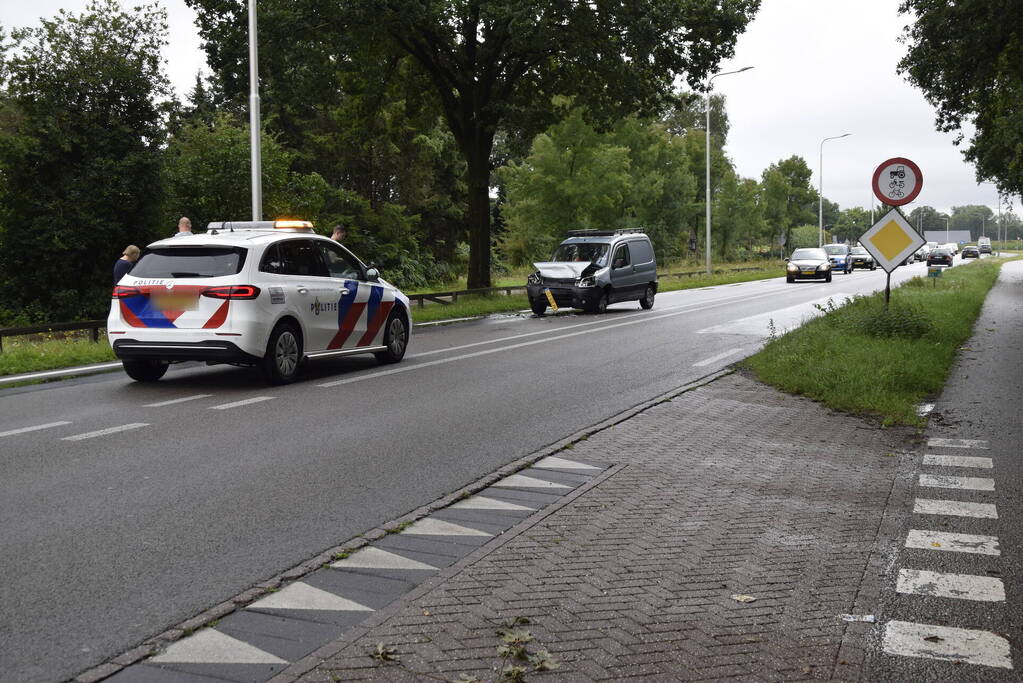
[(125, 292), (232, 292)]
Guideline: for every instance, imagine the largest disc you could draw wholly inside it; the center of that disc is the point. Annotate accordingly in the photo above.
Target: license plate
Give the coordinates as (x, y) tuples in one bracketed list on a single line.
[(550, 299), (176, 302), (809, 272)]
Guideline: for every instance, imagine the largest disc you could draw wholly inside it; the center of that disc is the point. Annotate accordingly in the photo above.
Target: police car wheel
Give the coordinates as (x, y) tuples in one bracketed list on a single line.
[(539, 307), (144, 370), (647, 301), (395, 339), (283, 355)]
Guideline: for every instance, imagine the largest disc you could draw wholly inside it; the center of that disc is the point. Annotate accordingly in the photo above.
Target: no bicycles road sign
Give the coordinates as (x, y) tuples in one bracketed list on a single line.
[(897, 181)]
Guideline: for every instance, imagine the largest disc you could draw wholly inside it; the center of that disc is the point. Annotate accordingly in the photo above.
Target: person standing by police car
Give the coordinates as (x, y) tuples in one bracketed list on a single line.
[(123, 265), (184, 226)]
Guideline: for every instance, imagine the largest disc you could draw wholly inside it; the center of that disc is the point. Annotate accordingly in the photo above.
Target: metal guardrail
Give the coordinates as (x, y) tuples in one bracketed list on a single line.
[(434, 297)]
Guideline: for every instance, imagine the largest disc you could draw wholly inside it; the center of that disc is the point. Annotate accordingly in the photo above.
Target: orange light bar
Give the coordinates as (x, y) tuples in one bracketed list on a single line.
[(293, 224)]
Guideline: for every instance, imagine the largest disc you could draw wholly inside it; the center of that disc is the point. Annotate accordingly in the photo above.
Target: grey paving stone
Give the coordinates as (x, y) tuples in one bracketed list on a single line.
[(535, 498), (492, 522), (449, 546), (342, 619), (369, 590), (287, 638), (567, 478), (197, 673)]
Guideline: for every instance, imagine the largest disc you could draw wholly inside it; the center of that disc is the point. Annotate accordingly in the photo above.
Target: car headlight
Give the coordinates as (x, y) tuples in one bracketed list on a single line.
[(792, 268), (534, 278), (826, 266), (587, 282)]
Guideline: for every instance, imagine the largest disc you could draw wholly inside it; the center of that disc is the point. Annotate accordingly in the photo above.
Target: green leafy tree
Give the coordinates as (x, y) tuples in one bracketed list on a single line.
[(788, 198), (851, 224), (973, 217), (494, 65), (966, 57), (925, 218), (80, 137)]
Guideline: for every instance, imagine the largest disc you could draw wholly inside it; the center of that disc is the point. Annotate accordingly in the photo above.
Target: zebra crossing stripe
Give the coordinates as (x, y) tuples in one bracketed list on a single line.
[(958, 586), (958, 461), (945, 643), (213, 647), (958, 508), (438, 527), (956, 543), (949, 482), (957, 443), (300, 595)]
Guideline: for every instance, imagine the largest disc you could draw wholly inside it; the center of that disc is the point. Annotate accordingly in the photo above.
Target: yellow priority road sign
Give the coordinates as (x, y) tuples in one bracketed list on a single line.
[(892, 240)]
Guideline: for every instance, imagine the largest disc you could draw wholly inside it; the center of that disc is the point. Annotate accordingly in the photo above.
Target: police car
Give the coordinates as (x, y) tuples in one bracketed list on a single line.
[(265, 293)]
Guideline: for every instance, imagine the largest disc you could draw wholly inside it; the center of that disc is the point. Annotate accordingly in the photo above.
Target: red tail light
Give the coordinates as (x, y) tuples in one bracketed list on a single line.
[(125, 292), (232, 292)]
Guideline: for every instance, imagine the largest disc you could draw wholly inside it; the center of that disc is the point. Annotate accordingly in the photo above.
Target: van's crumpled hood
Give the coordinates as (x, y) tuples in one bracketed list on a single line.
[(565, 270)]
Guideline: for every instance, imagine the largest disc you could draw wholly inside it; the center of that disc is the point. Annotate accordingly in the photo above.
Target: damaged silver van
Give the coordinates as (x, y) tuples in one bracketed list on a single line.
[(594, 268)]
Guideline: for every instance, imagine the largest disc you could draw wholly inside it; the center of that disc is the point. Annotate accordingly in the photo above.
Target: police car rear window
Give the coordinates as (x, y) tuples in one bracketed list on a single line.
[(175, 262)]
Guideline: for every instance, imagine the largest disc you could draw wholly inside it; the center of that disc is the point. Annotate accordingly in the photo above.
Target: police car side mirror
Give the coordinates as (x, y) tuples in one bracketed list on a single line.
[(372, 275)]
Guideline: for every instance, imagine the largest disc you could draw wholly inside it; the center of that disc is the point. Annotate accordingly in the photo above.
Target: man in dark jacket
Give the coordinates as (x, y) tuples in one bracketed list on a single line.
[(126, 262)]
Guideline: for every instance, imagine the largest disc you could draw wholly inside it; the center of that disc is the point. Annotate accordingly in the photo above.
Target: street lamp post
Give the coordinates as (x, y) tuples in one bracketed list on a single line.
[(946, 229), (254, 137), (710, 83), (820, 190)]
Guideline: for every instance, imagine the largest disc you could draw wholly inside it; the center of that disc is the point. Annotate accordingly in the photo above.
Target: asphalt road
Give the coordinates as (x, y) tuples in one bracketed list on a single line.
[(216, 481)]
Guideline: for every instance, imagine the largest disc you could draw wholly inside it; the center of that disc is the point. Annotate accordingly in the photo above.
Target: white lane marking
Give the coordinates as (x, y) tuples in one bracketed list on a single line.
[(438, 527), (942, 481), (248, 401), (553, 463), (300, 595), (784, 319), (58, 373), (521, 481), (958, 461), (958, 586), (105, 432), (715, 359), (34, 428), (213, 647), (948, 644), (958, 443), (956, 543), (484, 503), (176, 400), (959, 508), (486, 352), (618, 317), (375, 558), (444, 322), (924, 409)]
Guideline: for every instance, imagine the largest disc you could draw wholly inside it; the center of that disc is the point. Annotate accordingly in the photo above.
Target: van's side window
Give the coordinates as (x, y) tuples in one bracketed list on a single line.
[(641, 251), (621, 256)]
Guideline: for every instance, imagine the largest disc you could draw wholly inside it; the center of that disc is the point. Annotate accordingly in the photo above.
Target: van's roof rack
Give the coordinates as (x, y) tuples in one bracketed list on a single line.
[(604, 233)]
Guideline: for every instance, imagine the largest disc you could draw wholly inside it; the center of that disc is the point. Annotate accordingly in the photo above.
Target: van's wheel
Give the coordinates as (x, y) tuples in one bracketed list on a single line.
[(144, 370), (539, 306), (283, 355), (601, 304), (647, 301), (395, 339)]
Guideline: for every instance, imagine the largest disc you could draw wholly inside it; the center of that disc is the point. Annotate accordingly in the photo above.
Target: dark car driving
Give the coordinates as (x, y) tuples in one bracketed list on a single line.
[(970, 252), (939, 257), (808, 264)]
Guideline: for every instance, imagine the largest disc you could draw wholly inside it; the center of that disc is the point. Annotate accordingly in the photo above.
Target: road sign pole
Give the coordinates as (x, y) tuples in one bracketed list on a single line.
[(887, 290)]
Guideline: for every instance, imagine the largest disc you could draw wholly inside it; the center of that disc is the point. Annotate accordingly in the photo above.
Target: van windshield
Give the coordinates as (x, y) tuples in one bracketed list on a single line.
[(172, 262), (595, 252)]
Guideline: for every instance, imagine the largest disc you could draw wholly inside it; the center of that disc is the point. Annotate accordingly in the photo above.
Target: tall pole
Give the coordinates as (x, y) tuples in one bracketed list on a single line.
[(946, 229), (254, 137), (710, 84), (820, 190)]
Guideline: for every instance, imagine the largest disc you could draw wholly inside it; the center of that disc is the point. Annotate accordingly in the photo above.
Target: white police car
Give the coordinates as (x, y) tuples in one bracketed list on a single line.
[(264, 293)]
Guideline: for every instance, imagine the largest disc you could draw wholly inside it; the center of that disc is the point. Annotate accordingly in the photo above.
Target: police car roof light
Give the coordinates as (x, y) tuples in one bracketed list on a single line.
[(232, 226)]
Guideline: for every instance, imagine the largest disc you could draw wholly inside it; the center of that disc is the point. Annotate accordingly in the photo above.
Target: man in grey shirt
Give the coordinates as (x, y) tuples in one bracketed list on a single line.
[(184, 226)]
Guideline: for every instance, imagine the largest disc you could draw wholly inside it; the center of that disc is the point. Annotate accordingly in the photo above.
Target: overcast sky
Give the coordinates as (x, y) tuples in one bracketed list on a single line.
[(821, 68)]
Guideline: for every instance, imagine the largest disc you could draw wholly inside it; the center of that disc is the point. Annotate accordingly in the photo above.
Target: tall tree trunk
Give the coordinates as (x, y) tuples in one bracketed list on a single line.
[(477, 174)]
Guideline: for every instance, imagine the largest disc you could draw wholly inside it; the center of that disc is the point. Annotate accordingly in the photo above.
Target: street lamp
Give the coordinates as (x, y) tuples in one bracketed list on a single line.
[(710, 83), (820, 190), (254, 137), (946, 229)]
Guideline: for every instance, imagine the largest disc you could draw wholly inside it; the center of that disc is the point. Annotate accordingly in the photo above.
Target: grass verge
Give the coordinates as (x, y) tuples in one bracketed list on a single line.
[(24, 354), (864, 360)]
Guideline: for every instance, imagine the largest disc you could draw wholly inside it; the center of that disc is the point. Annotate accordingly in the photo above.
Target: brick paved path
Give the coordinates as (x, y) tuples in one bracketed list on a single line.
[(730, 489)]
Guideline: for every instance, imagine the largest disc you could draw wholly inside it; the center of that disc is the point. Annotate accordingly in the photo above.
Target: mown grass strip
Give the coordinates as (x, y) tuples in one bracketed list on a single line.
[(26, 354), (861, 360)]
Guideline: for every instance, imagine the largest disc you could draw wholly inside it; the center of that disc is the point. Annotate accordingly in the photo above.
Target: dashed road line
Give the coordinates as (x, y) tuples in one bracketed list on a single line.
[(946, 643), (958, 461), (105, 432), (957, 443), (956, 543), (720, 356), (246, 402), (958, 508), (942, 481), (176, 400), (958, 586), (34, 428)]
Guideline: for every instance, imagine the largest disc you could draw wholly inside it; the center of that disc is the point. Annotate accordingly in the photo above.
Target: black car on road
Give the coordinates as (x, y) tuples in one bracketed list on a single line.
[(939, 257), (808, 264), (861, 258), (970, 252)]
